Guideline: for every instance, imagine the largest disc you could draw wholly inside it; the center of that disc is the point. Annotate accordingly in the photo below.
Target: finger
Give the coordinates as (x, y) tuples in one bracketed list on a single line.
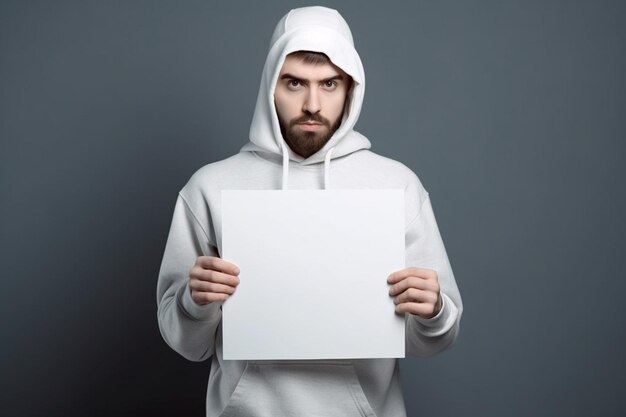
[(204, 286), (411, 272), (214, 276), (413, 295), (217, 264), (419, 309), (202, 298), (413, 282)]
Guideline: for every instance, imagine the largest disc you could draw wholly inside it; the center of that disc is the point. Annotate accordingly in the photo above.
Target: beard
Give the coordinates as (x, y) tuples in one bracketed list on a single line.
[(306, 143)]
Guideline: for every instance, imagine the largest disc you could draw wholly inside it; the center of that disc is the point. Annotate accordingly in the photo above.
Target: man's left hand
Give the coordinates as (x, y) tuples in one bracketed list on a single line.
[(416, 291)]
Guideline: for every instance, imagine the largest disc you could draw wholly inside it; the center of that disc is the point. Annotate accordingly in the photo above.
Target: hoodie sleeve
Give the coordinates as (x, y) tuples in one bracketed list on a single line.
[(188, 328), (425, 249)]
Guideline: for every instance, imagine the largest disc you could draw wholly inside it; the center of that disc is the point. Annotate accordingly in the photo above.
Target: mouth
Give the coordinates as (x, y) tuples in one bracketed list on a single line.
[(310, 125)]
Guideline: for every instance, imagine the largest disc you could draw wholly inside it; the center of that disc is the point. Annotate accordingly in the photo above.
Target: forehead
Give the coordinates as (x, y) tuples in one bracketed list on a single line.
[(313, 72)]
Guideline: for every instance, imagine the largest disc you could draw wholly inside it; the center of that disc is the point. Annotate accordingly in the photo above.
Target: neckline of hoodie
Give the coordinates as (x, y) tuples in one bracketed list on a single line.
[(296, 165)]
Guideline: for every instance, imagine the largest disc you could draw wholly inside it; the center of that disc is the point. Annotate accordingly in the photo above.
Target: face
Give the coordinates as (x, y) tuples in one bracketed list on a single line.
[(309, 100)]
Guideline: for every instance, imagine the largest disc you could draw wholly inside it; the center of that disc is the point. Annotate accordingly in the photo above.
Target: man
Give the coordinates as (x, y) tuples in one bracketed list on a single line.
[(302, 132)]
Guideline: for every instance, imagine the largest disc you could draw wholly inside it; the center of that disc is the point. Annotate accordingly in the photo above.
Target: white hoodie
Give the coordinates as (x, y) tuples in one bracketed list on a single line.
[(364, 387)]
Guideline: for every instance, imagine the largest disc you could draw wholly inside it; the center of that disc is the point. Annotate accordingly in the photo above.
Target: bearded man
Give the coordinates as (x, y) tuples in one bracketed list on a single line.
[(303, 126)]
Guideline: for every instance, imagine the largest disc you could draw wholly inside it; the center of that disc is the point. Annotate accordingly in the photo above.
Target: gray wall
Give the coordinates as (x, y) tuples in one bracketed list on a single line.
[(511, 113)]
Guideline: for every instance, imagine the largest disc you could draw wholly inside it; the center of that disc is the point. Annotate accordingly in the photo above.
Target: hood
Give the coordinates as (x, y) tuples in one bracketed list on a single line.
[(317, 29)]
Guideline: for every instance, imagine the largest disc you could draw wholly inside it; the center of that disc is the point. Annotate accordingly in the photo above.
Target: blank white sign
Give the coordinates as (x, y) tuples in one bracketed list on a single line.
[(314, 267)]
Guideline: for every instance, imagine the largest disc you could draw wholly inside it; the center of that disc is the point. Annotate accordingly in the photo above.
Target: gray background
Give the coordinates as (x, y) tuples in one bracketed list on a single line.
[(511, 113)]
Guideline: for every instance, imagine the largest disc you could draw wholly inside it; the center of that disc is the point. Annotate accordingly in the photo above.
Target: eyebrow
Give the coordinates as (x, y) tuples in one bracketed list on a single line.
[(288, 76)]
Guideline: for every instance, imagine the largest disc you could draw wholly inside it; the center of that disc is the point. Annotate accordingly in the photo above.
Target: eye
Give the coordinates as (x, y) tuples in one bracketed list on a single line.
[(330, 85), (294, 84)]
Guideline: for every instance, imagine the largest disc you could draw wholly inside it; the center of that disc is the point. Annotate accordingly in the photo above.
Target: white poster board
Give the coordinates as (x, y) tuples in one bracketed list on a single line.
[(314, 267)]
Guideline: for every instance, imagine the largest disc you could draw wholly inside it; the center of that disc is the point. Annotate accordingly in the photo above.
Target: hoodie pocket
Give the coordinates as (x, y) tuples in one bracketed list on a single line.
[(291, 388)]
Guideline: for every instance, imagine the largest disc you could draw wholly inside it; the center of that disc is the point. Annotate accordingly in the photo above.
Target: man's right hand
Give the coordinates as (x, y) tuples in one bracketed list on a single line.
[(212, 279)]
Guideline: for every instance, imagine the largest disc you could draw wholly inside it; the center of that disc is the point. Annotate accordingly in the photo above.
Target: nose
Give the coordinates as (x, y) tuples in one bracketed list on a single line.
[(312, 102)]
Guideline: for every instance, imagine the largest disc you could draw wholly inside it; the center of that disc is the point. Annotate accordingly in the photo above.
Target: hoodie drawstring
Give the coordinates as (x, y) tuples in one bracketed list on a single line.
[(327, 158), (327, 168), (285, 166)]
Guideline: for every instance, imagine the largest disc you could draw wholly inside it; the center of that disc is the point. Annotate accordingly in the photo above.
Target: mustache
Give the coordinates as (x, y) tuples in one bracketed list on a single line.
[(315, 117)]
